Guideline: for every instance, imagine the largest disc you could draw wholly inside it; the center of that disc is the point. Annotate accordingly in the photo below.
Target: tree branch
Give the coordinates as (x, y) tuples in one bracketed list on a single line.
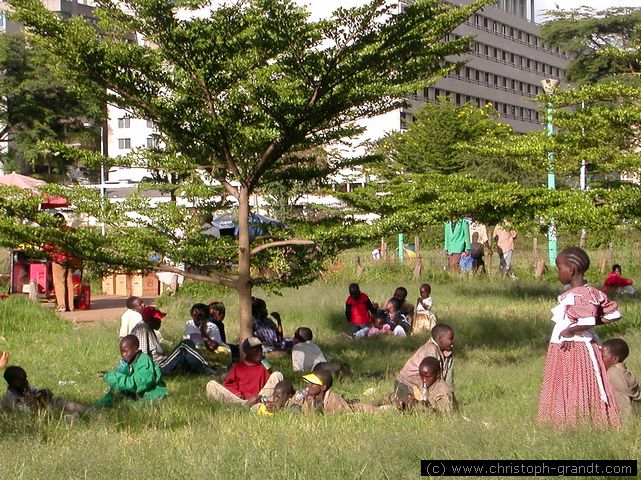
[(281, 243), (217, 277)]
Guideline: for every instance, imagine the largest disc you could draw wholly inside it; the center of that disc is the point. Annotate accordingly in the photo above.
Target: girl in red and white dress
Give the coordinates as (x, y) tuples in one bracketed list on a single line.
[(576, 388)]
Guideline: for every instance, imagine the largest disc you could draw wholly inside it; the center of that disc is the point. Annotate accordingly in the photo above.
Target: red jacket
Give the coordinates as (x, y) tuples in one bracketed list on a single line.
[(614, 280), (246, 379), (358, 311)]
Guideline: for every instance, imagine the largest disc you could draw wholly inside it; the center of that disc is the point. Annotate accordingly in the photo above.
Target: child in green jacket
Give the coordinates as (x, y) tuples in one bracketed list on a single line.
[(136, 378)]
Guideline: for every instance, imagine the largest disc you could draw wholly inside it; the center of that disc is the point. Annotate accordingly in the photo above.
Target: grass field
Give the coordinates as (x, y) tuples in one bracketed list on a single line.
[(502, 327)]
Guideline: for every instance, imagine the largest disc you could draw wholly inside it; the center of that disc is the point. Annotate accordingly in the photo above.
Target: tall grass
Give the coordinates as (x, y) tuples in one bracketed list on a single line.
[(502, 327)]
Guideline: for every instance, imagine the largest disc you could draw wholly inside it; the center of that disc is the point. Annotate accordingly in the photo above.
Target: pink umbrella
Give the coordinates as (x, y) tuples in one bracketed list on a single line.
[(14, 179)]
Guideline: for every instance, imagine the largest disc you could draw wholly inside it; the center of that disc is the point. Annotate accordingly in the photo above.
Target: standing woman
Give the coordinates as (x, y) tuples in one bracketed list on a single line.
[(576, 388), (63, 265)]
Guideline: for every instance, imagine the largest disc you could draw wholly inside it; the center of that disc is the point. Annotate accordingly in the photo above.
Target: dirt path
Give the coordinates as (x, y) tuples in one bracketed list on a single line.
[(103, 308)]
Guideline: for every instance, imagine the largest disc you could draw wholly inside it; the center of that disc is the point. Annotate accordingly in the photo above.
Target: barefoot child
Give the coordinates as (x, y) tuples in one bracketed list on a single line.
[(424, 319), (576, 388), (625, 385)]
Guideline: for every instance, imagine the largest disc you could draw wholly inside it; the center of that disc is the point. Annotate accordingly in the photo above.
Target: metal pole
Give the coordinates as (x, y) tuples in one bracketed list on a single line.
[(551, 186), (549, 85), (583, 183), (103, 189)]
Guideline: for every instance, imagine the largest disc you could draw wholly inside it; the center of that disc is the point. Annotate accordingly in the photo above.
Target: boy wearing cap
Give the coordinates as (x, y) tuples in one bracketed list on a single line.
[(248, 380), (185, 357)]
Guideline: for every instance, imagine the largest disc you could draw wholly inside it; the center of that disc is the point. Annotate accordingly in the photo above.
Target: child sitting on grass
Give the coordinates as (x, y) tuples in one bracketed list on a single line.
[(379, 327), (137, 378), (318, 396), (23, 397), (206, 336), (358, 308), (281, 398), (439, 346), (616, 284), (399, 324), (305, 353), (424, 319), (434, 393), (625, 385)]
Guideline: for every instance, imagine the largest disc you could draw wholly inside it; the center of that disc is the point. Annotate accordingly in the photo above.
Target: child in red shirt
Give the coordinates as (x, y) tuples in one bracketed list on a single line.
[(358, 308), (247, 381), (615, 283)]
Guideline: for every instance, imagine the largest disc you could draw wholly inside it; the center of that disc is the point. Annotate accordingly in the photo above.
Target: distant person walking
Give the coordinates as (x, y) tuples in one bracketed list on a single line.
[(504, 237), (457, 242)]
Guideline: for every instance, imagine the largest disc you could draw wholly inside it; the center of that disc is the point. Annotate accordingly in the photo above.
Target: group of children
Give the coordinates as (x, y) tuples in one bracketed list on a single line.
[(583, 380), (397, 316)]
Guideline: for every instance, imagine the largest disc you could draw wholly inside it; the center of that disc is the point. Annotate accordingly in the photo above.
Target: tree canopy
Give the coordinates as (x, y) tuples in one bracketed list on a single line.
[(38, 104), (238, 87), (603, 43)]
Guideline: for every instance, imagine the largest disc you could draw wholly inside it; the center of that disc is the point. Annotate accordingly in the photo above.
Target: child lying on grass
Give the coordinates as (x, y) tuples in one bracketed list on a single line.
[(23, 397), (137, 377)]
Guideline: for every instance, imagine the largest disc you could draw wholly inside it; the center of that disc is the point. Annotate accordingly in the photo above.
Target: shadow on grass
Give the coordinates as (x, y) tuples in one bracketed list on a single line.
[(519, 291)]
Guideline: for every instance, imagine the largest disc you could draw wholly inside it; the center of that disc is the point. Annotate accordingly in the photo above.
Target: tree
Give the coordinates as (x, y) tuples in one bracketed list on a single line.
[(602, 43), (440, 139), (238, 87), (37, 104)]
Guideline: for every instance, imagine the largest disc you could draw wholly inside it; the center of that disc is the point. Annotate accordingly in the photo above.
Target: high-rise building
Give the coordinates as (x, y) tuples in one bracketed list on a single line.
[(507, 62), (65, 8)]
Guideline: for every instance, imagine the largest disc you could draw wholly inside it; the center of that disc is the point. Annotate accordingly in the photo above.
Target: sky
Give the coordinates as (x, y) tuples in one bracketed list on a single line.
[(541, 5), (323, 7)]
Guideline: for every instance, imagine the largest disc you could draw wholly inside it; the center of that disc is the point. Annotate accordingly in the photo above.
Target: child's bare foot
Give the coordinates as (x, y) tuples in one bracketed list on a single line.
[(4, 359)]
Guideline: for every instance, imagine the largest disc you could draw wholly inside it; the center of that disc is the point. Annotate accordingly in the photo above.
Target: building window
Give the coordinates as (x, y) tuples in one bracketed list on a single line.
[(124, 122), (2, 21), (485, 24), (496, 80), (152, 142), (487, 77), (150, 124), (477, 75), (458, 98), (124, 143)]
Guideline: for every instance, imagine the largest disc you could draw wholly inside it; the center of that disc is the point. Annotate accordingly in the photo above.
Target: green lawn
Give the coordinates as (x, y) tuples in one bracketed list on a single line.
[(501, 327)]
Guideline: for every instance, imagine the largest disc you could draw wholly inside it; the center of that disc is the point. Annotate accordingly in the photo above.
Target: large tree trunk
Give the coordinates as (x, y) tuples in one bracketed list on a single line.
[(244, 286)]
